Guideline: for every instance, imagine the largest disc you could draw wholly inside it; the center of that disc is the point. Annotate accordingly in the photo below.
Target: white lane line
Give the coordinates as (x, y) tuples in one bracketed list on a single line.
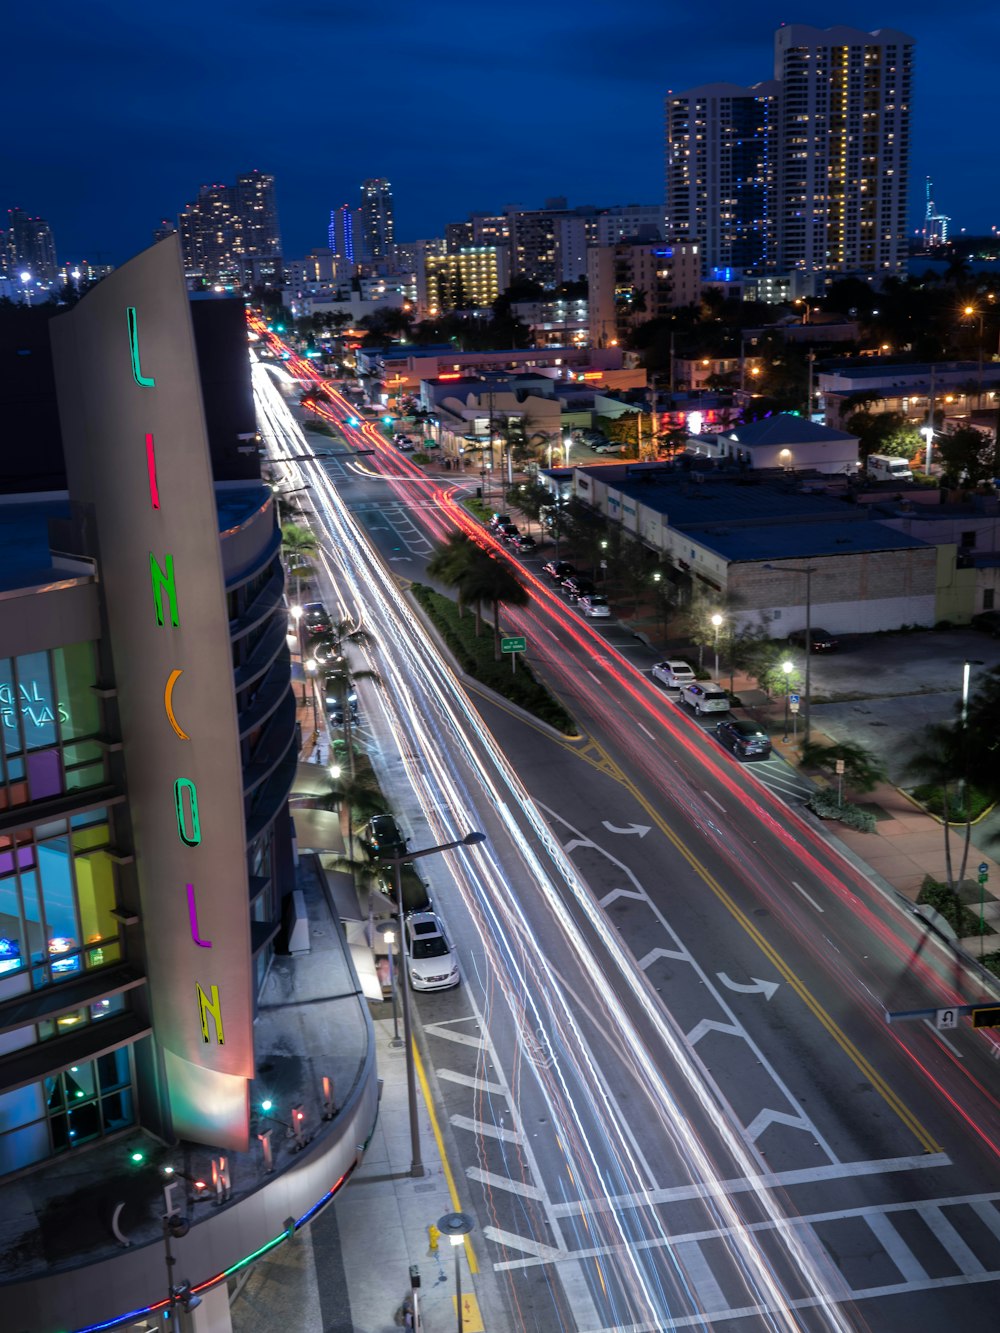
[(708, 1293), (461, 1038), (647, 731), (808, 897), (481, 1127), (593, 678), (778, 1180), (468, 1081), (546, 1253), (496, 1182), (896, 1248), (713, 800), (943, 1230), (944, 1040), (765, 1119), (989, 1215)]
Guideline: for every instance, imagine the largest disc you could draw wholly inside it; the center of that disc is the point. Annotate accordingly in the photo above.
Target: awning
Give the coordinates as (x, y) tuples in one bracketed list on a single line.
[(317, 830), (311, 780), (341, 893)]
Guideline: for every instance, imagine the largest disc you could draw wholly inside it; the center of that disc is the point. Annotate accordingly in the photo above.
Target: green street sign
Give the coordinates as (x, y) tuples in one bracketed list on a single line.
[(514, 644)]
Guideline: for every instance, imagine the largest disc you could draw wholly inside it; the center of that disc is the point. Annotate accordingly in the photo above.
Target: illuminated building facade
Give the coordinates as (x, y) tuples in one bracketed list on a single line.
[(377, 224), (28, 247), (471, 279), (806, 174), (629, 283), (148, 743), (229, 233)]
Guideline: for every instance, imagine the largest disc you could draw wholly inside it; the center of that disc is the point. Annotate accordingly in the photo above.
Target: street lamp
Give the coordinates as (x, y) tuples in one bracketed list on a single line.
[(716, 623), (389, 935), (397, 862), (312, 666), (787, 668), (25, 279), (456, 1226), (808, 571)]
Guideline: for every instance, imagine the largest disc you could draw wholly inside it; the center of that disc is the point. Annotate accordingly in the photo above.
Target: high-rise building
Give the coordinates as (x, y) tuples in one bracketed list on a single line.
[(844, 149), (376, 219), (722, 155), (806, 174), (341, 233), (229, 234), (472, 279), (29, 247)]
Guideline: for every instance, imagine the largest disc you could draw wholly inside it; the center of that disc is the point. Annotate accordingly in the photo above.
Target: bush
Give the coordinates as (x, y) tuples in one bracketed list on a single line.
[(856, 818), (992, 963), (421, 458), (825, 805), (930, 796), (947, 902), (477, 660)]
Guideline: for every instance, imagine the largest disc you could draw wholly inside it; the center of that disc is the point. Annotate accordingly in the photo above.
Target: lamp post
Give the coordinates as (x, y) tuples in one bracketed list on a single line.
[(389, 935), (966, 677), (25, 279), (470, 839), (312, 666), (456, 1226), (928, 433), (716, 623), (808, 571), (787, 668)]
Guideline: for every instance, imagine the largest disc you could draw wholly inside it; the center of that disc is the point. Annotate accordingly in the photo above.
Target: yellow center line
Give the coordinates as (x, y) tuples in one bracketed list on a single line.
[(798, 986), (449, 1175)]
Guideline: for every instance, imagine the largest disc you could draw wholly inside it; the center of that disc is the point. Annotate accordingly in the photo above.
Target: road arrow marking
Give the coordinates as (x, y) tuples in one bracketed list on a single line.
[(654, 954), (640, 829), (756, 987)]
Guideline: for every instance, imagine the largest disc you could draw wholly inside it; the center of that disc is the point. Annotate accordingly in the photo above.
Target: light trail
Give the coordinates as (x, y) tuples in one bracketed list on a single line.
[(432, 711)]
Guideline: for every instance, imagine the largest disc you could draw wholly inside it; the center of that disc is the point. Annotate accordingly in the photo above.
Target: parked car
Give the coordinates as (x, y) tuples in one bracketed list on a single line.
[(316, 618), (558, 570), (416, 895), (405, 445), (608, 447), (673, 673), (498, 521), (431, 961), (381, 837), (744, 738), (524, 542), (595, 606), (988, 622), (507, 532), (704, 696), (575, 587), (821, 640), (335, 710)]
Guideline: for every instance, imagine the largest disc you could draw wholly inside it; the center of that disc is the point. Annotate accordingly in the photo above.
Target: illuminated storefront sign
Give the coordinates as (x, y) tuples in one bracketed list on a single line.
[(31, 704)]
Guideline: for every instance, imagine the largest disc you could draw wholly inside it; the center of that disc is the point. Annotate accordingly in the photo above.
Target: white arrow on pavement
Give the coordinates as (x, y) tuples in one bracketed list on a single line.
[(640, 829), (756, 987)]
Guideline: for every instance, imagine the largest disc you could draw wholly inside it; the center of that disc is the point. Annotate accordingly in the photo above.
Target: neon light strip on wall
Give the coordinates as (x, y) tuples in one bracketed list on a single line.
[(188, 822), (144, 381), (154, 491)]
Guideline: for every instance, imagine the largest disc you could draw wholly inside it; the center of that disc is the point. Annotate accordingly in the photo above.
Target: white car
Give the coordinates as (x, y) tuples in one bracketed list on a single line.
[(704, 696), (673, 674), (595, 606), (431, 961)]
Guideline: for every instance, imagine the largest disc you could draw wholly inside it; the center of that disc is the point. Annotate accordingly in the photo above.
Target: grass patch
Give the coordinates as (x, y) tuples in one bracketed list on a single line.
[(929, 795), (949, 904), (475, 656)]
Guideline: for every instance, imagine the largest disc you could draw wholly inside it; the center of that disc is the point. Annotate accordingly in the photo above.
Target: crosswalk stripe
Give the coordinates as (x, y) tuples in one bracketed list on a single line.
[(709, 1294), (987, 1212), (510, 1241), (951, 1240), (469, 1081), (895, 1247), (493, 1181), (481, 1127)]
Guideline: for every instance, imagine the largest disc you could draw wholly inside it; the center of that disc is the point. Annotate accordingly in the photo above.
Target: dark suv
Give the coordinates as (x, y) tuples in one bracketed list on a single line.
[(381, 837), (744, 738), (576, 586), (558, 570), (820, 640), (316, 618)]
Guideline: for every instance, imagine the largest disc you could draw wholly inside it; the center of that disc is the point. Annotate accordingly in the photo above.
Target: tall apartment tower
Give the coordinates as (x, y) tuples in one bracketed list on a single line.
[(806, 174), (30, 247), (230, 234), (722, 155), (845, 148), (376, 218), (341, 233), (258, 210)]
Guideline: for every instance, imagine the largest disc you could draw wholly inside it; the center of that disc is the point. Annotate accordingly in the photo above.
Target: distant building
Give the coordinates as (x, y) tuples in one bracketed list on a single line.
[(229, 233), (341, 234), (630, 283), (805, 175), (377, 225), (472, 279), (29, 248), (784, 441)]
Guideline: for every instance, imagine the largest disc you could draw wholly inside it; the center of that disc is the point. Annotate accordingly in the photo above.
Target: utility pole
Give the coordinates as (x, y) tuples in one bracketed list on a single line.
[(809, 403)]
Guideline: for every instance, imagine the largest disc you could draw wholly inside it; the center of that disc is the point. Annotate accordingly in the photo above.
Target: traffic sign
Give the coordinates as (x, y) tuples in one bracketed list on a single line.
[(793, 698), (983, 868), (514, 644), (946, 1018), (793, 706)]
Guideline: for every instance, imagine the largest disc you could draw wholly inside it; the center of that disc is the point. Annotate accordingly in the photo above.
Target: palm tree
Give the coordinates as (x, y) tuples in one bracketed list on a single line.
[(343, 679), (451, 562), (490, 580), (297, 542), (940, 759)]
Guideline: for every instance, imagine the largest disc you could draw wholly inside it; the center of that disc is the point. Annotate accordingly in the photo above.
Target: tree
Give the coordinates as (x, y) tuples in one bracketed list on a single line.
[(863, 771), (531, 498), (343, 679), (451, 562), (884, 433), (982, 742), (939, 758), (967, 455), (297, 542)]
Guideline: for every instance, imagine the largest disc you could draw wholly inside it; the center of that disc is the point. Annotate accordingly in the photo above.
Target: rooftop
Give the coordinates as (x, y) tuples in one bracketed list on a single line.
[(797, 541), (784, 428)]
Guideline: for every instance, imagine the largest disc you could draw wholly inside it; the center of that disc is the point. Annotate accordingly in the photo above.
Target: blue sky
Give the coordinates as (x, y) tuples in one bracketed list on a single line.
[(126, 109)]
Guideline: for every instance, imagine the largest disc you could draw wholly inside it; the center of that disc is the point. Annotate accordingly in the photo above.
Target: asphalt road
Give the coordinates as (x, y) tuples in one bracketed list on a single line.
[(698, 1003)]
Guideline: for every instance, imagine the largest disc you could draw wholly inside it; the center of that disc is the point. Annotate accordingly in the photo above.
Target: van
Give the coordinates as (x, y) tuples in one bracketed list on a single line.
[(885, 468)]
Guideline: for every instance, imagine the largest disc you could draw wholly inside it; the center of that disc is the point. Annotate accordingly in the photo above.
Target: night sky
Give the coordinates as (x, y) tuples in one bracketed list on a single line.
[(118, 112)]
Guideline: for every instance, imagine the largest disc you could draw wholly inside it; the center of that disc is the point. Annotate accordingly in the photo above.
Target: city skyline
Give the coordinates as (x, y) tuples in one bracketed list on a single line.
[(589, 126)]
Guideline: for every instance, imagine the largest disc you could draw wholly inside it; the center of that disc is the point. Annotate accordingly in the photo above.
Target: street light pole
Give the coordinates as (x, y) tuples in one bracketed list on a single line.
[(389, 935), (456, 1226), (787, 668), (416, 1164), (808, 571), (716, 622)]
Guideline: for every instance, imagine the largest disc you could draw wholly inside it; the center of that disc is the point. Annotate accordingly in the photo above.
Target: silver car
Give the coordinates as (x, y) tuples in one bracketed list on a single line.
[(673, 673), (704, 696), (431, 961)]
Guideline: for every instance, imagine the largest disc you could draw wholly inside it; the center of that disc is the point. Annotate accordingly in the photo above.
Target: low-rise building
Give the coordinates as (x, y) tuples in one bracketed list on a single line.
[(792, 443)]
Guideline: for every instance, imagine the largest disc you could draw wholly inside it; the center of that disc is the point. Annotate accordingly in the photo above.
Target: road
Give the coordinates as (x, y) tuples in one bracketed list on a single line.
[(688, 1108)]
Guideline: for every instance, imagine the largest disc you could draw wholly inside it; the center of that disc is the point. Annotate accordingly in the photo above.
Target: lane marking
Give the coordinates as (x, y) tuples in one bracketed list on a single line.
[(808, 897), (896, 1248), (469, 1081), (943, 1230), (763, 1120), (545, 1254), (496, 1182), (713, 800), (449, 1175), (944, 1040), (708, 1294), (778, 1180), (481, 1127)]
